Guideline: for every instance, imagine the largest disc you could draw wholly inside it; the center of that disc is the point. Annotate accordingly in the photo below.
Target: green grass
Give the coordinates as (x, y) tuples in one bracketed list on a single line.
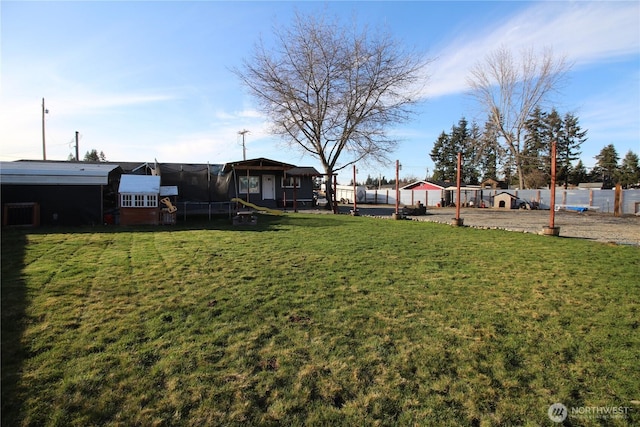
[(314, 320)]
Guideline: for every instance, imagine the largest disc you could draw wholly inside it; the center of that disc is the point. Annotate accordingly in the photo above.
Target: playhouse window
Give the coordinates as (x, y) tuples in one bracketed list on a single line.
[(139, 200), (126, 201)]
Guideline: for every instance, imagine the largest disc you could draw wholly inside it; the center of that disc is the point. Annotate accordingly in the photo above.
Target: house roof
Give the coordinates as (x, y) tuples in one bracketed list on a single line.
[(261, 163), (493, 183), (139, 184), (422, 183), (303, 171), (593, 185), (258, 164), (55, 173)]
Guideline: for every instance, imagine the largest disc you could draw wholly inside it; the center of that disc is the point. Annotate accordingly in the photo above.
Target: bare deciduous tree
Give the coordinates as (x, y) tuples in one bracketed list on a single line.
[(508, 89), (333, 91)]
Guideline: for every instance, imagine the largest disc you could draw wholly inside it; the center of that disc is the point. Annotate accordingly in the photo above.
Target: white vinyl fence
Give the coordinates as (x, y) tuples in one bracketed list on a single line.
[(601, 200)]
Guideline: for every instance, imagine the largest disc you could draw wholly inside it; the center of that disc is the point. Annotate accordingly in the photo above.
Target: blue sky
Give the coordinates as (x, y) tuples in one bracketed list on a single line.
[(151, 80)]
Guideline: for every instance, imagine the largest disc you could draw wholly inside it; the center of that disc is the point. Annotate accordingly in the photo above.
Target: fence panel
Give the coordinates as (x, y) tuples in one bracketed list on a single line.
[(202, 209), (600, 199)]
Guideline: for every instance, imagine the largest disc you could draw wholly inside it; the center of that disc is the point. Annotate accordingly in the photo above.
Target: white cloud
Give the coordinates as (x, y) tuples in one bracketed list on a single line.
[(21, 120), (221, 141), (236, 115), (585, 32)]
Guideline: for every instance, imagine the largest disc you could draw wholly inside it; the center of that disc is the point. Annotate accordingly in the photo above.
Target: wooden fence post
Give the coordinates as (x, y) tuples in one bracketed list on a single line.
[(617, 201)]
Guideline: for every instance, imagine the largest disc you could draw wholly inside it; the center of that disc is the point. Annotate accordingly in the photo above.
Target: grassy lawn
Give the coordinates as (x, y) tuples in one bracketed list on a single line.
[(315, 320)]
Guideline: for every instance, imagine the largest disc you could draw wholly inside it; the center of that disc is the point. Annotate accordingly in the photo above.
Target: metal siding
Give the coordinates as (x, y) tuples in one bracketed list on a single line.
[(53, 180), (72, 205), (55, 173)]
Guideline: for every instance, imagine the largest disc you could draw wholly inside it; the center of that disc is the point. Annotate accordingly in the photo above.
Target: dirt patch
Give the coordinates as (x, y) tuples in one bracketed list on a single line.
[(592, 225)]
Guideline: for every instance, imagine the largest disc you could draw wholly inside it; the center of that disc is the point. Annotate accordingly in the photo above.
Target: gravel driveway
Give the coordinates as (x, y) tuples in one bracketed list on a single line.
[(591, 225)]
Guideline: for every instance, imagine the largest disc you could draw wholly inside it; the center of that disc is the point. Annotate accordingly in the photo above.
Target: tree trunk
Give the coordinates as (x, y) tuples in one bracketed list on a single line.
[(521, 183), (329, 186)]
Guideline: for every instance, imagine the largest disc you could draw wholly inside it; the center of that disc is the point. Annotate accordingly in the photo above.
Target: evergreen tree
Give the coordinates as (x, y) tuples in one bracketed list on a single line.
[(459, 140), (606, 168), (578, 174), (488, 153), (568, 147), (539, 130), (93, 156), (445, 153), (630, 170), (470, 168), (441, 154), (509, 170)]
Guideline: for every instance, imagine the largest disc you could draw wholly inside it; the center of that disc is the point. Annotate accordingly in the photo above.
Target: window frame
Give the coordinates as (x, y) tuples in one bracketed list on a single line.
[(137, 200), (126, 200), (254, 184), (288, 181)]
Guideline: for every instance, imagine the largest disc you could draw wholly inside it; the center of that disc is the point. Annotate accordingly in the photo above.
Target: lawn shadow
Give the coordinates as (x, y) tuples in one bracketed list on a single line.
[(265, 223), (13, 311)]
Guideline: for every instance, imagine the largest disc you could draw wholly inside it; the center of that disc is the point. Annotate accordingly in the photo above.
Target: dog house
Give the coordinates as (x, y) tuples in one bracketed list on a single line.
[(505, 200)]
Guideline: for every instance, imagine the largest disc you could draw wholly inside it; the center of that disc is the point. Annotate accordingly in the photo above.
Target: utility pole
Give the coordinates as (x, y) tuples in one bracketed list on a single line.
[(44, 147), (77, 148), (244, 148)]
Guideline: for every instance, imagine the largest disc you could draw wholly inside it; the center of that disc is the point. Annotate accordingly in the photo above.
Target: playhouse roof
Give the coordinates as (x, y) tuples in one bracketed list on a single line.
[(139, 184)]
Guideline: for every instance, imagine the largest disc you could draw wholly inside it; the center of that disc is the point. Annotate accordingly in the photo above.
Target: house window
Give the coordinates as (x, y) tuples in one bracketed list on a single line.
[(138, 200), (152, 201), (290, 181), (253, 184)]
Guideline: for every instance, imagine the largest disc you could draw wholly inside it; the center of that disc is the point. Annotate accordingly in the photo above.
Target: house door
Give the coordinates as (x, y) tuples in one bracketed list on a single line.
[(268, 187)]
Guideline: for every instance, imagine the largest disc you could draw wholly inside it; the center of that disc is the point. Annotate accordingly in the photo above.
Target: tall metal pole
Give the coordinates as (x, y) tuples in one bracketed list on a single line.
[(553, 186), (397, 188), (44, 149), (459, 178)]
